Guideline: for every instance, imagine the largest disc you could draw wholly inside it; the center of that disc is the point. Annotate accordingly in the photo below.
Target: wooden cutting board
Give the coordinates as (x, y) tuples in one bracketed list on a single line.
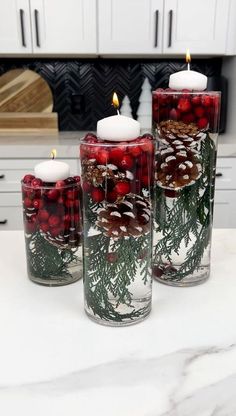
[(23, 90), (28, 123)]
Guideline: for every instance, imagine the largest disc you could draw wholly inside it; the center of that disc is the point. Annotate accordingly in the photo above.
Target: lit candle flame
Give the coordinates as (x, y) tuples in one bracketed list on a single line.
[(188, 58), (115, 102), (53, 153)]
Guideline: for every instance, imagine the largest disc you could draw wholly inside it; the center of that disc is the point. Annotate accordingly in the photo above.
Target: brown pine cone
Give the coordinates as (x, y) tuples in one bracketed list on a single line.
[(130, 217), (177, 132), (177, 167), (97, 174)]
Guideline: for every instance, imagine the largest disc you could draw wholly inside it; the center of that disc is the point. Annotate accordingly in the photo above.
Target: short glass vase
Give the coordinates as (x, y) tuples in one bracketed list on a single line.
[(53, 233), (185, 125), (117, 179)]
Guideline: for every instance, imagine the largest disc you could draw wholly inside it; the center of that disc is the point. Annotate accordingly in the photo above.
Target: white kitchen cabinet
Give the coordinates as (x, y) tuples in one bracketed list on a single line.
[(199, 25), (130, 26), (225, 193), (64, 27), (15, 30), (162, 27), (48, 27)]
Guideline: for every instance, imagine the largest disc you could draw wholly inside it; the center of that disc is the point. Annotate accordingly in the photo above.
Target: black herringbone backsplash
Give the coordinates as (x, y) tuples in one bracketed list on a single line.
[(95, 80)]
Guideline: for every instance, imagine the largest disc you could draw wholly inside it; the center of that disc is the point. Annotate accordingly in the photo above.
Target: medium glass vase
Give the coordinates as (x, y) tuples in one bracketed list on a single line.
[(117, 179), (185, 125), (53, 232)]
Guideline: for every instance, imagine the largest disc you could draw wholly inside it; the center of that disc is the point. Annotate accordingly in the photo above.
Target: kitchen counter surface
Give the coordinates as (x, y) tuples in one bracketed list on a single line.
[(181, 361), (36, 146)]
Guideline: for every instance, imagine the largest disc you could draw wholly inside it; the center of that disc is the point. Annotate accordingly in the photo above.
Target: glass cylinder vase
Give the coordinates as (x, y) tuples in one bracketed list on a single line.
[(186, 128), (117, 180), (53, 232)]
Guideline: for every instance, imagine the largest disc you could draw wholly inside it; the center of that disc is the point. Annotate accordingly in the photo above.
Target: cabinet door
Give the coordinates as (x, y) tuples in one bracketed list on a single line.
[(63, 27), (15, 31), (198, 25), (224, 209), (130, 26)]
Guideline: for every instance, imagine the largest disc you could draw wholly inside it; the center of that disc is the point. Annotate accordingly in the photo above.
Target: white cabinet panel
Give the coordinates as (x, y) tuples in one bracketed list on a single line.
[(226, 173), (15, 30), (130, 26), (199, 25), (64, 27), (225, 209)]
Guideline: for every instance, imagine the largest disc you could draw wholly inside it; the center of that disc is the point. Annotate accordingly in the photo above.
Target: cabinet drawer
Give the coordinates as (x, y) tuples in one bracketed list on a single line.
[(224, 209), (226, 173), (8, 199), (11, 218)]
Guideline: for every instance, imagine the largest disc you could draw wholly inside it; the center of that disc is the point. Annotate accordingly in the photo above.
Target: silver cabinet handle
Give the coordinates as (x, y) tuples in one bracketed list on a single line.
[(3, 222), (2, 176), (22, 26), (156, 28), (170, 28), (36, 18)]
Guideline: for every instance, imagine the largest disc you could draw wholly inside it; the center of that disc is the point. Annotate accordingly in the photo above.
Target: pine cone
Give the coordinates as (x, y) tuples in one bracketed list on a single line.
[(130, 217), (177, 167), (177, 132), (70, 239), (97, 174)]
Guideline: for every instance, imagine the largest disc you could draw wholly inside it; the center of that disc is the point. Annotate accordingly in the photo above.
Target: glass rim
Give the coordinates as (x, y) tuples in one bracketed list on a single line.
[(180, 92), (66, 186), (114, 143)]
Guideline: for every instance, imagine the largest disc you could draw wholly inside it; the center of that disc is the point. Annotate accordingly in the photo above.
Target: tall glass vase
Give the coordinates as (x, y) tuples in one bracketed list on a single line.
[(186, 128), (117, 181)]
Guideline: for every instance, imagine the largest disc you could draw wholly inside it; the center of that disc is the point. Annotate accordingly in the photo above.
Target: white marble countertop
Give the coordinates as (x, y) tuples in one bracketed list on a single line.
[(40, 146), (181, 361)]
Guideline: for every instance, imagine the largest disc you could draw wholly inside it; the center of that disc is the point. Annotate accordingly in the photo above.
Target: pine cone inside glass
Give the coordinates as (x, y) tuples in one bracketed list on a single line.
[(130, 217), (173, 132), (177, 167)]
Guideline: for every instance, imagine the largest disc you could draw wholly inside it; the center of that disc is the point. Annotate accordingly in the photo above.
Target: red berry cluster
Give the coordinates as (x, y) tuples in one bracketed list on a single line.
[(54, 210), (201, 109), (111, 172)]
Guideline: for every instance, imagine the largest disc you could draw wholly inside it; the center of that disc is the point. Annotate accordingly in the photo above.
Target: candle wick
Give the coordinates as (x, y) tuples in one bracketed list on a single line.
[(118, 112), (188, 66)]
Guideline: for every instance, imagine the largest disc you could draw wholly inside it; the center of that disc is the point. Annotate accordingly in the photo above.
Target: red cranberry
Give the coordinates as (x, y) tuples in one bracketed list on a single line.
[(76, 204), (60, 184), (184, 105), (145, 181), (90, 138), (60, 200), (69, 203), (116, 155), (174, 114), (196, 100), (126, 162), (55, 231), (202, 123), (54, 221), (77, 179), (37, 203), (206, 100), (44, 227), (135, 151), (147, 145), (67, 220), (112, 257), (30, 226), (102, 157), (122, 188), (97, 195), (28, 179), (36, 183), (188, 118), (72, 194), (87, 187), (43, 215), (28, 203), (199, 111), (52, 194), (76, 219)]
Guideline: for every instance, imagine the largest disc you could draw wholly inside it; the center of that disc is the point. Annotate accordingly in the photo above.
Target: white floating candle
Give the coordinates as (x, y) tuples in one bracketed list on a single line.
[(118, 128), (188, 79), (52, 170)]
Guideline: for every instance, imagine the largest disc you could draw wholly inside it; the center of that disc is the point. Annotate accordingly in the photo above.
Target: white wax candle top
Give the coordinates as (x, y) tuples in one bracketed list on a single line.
[(188, 79), (52, 171), (118, 128)]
